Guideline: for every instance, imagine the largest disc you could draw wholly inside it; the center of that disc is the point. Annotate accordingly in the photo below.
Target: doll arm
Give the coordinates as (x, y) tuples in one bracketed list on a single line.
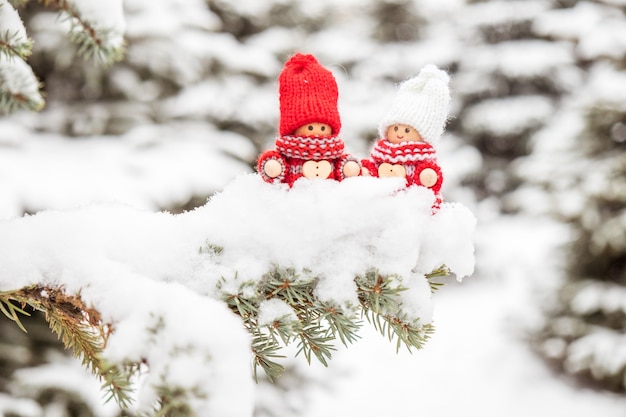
[(369, 168), (428, 174), (347, 166), (271, 166)]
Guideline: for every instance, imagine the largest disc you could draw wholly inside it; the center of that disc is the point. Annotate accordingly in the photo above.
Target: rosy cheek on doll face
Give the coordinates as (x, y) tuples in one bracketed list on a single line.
[(314, 129), (402, 133)]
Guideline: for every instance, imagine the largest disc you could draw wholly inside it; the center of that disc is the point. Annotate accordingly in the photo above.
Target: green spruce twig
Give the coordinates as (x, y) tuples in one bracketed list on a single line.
[(314, 327), (378, 293), (265, 350), (92, 42), (10, 101), (346, 327), (79, 328), (173, 402), (12, 44), (315, 340), (245, 303), (379, 297), (441, 272), (11, 310), (318, 324)]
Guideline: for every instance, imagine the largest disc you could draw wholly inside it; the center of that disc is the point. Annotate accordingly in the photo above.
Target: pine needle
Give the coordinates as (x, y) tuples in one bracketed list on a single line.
[(11, 310), (92, 42), (79, 328), (317, 325), (11, 44)]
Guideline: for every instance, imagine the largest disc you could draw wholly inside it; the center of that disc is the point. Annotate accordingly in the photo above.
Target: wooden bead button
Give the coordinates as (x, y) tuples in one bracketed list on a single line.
[(428, 177), (272, 168), (388, 170), (317, 169)]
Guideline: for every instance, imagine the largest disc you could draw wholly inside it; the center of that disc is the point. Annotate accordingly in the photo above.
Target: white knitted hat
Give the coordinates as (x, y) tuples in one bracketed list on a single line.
[(422, 102)]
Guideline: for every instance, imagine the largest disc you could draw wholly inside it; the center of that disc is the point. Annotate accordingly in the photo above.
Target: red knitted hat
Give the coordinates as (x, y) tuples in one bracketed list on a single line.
[(308, 94)]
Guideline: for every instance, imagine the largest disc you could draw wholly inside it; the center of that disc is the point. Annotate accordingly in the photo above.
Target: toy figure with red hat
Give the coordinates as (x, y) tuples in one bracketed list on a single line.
[(409, 130), (308, 144)]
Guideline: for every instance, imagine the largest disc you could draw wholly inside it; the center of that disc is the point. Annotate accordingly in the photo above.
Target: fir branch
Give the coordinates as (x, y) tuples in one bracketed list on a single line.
[(411, 335), (297, 291), (265, 350), (284, 329), (314, 340), (10, 101), (318, 324), (245, 303), (80, 329), (264, 347), (92, 42), (435, 286), (11, 44), (378, 293), (289, 286), (340, 325), (13, 40), (408, 334), (173, 402), (116, 382), (19, 88), (382, 308), (10, 310), (441, 272)]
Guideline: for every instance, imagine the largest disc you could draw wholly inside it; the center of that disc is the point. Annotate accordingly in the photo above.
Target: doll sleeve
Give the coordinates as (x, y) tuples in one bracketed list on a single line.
[(340, 165), (269, 156), (432, 165), (370, 166)]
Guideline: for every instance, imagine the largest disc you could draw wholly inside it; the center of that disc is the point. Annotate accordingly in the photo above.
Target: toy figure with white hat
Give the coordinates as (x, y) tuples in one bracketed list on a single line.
[(410, 128)]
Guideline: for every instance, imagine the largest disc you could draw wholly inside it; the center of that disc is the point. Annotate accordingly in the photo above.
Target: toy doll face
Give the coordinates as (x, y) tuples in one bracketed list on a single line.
[(314, 129), (402, 133)]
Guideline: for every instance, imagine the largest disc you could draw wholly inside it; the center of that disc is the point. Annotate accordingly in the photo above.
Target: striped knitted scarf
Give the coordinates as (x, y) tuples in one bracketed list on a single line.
[(395, 153), (310, 148)]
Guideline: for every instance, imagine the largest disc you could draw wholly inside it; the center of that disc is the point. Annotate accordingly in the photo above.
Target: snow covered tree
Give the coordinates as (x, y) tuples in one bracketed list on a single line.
[(98, 32), (585, 331), (579, 160), (509, 81)]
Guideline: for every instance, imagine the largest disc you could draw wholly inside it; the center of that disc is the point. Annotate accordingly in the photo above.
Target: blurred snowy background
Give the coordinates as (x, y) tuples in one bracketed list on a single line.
[(536, 148)]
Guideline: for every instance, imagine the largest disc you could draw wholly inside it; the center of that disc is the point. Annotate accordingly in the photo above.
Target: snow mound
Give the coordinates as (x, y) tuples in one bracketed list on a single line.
[(147, 272)]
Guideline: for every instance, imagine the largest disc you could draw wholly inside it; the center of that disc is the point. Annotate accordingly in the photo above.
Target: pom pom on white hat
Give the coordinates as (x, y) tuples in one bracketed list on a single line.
[(422, 102)]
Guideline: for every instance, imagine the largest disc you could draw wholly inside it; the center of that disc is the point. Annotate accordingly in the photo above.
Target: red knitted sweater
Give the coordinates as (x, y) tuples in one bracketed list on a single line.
[(293, 152), (414, 157)]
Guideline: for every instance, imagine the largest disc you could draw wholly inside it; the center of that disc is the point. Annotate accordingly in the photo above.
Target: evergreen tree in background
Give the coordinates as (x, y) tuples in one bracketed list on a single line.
[(96, 32), (579, 159), (586, 330), (509, 81)]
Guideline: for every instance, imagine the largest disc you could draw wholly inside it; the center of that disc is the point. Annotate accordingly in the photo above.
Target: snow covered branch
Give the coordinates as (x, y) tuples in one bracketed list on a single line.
[(19, 86), (79, 327), (13, 38), (295, 265), (97, 27)]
